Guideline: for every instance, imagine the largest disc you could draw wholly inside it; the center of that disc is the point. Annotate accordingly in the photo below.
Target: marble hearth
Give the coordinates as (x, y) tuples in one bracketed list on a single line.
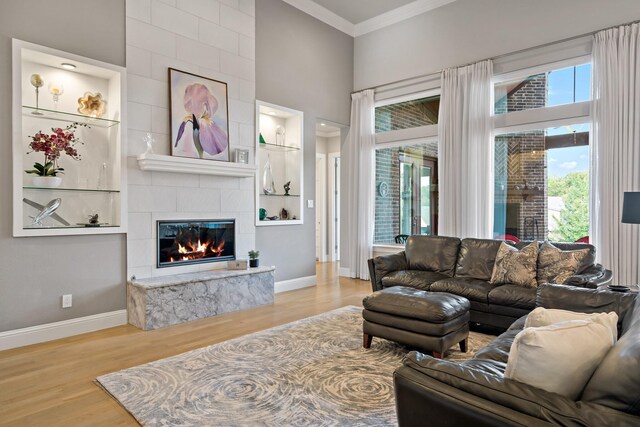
[(163, 301)]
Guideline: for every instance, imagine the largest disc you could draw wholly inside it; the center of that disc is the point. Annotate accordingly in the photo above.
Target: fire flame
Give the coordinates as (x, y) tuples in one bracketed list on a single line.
[(198, 248)]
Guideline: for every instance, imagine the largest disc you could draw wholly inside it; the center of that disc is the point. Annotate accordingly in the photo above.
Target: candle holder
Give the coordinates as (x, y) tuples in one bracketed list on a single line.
[(56, 89), (37, 82)]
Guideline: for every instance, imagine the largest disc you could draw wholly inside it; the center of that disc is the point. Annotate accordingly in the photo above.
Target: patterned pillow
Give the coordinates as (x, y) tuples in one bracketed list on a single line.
[(556, 266), (516, 267)]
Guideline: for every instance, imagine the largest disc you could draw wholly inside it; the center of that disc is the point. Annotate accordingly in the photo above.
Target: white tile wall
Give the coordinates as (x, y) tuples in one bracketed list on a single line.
[(215, 39)]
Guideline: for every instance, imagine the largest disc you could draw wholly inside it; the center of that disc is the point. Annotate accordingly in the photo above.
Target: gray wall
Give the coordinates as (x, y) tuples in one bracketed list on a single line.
[(36, 271), (469, 30), (304, 64)]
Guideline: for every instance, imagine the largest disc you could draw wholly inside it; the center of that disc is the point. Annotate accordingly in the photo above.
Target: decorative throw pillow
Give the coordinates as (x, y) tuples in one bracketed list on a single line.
[(556, 266), (541, 316), (559, 358), (516, 267)]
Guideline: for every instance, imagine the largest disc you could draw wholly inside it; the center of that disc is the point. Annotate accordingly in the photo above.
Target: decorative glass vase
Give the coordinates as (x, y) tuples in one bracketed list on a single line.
[(267, 178), (46, 181)]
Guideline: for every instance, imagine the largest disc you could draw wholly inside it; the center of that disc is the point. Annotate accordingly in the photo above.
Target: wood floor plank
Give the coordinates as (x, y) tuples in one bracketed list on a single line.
[(51, 384)]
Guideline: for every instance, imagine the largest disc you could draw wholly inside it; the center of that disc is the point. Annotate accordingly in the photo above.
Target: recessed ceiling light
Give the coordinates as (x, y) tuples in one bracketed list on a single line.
[(68, 66), (322, 124), (273, 113)]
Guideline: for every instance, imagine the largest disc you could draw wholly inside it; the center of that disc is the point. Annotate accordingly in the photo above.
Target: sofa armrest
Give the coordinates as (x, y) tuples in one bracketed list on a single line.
[(592, 277), (511, 402), (382, 265)]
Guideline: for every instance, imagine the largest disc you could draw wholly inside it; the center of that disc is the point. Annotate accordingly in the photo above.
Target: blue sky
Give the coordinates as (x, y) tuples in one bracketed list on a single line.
[(561, 161)]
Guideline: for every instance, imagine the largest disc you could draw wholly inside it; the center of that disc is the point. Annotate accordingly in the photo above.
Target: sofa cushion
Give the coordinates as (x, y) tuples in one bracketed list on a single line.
[(476, 258), (516, 267), (616, 381), (556, 265), (432, 253), (473, 289), (541, 316), (413, 278), (513, 295), (559, 358), (587, 262)]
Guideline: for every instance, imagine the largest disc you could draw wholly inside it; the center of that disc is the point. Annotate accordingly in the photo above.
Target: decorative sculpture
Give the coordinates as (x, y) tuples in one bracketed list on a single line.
[(267, 178), (287, 187)]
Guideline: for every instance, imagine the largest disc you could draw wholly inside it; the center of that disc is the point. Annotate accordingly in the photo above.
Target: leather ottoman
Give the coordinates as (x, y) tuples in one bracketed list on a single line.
[(432, 321)]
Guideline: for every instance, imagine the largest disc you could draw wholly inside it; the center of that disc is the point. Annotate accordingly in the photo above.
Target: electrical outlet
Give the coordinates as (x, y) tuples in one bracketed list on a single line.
[(67, 301), (310, 204)]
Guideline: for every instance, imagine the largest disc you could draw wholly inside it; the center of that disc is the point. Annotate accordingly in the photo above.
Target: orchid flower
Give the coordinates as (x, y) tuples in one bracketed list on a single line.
[(206, 135)]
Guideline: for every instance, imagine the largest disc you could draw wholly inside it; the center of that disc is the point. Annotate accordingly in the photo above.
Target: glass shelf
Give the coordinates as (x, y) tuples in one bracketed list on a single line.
[(55, 227), (88, 190), (280, 195), (28, 111), (274, 147)]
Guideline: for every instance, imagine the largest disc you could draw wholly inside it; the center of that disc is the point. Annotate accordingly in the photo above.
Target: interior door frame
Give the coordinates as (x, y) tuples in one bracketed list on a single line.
[(321, 204), (334, 206)]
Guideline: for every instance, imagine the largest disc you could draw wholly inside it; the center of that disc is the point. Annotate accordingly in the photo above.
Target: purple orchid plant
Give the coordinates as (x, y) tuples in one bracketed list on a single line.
[(206, 135)]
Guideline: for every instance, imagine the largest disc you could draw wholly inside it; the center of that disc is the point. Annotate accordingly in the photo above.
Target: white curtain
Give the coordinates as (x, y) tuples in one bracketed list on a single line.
[(465, 152), (358, 159), (615, 155)]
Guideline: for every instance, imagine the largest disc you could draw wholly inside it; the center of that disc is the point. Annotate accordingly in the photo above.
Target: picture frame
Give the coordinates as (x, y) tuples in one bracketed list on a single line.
[(198, 116), (242, 156)]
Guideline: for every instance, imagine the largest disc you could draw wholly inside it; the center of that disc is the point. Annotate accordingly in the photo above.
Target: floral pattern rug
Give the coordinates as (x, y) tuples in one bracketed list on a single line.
[(310, 372)]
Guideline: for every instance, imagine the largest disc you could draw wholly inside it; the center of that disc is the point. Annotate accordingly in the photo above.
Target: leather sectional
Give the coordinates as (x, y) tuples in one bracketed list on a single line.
[(464, 268), (476, 393)]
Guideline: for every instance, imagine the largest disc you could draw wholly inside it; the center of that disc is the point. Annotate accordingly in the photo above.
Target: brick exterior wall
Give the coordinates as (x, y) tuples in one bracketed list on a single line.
[(525, 163), (410, 114)]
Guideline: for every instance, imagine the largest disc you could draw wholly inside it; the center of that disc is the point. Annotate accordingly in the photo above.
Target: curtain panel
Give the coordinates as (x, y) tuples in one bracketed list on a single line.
[(465, 151), (359, 170), (615, 155)]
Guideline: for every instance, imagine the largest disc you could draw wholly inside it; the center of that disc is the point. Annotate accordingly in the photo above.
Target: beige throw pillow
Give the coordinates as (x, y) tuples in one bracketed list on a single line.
[(516, 267), (548, 316), (559, 358), (556, 266)]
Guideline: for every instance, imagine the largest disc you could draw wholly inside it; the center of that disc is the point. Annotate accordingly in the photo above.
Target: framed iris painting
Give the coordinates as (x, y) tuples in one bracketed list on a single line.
[(199, 116)]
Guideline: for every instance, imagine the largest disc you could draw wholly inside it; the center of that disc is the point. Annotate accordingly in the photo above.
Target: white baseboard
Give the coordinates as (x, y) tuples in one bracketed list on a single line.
[(292, 284), (63, 329), (345, 272)]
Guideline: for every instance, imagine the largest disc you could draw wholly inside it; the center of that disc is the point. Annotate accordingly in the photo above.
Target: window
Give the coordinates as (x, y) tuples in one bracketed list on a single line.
[(557, 87), (406, 191), (407, 114), (542, 184)]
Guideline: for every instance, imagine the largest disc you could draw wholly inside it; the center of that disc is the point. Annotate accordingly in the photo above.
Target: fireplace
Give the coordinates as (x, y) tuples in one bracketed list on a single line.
[(195, 242)]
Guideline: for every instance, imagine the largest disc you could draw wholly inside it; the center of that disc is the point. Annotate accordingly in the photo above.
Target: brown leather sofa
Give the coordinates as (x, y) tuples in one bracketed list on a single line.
[(475, 392), (464, 267)]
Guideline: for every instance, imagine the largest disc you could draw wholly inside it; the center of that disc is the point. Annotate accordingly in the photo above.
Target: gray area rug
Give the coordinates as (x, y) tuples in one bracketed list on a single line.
[(310, 372)]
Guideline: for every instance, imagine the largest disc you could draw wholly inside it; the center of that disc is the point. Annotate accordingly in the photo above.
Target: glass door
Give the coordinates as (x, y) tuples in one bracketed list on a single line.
[(418, 195)]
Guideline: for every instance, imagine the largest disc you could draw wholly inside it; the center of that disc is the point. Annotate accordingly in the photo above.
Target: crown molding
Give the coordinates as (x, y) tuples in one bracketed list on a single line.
[(397, 15), (384, 20), (323, 14)]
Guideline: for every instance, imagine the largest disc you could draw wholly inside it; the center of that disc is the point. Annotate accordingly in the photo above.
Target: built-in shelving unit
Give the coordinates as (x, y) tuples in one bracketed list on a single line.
[(93, 185), (279, 143)]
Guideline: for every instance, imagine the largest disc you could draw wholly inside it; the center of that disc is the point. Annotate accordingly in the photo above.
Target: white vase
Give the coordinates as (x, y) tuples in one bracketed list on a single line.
[(46, 181)]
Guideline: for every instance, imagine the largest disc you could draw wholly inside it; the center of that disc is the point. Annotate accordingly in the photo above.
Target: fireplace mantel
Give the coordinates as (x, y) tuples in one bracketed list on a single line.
[(158, 162)]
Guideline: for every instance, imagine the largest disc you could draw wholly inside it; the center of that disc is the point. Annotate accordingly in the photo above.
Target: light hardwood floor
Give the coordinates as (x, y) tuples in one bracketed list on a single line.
[(51, 384)]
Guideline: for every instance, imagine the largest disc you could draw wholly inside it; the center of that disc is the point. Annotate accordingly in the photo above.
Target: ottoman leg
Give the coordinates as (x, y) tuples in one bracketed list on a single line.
[(366, 340), (463, 345)]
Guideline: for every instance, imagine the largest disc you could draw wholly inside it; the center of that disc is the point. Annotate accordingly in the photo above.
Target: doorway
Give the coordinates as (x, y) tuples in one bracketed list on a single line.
[(328, 144)]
